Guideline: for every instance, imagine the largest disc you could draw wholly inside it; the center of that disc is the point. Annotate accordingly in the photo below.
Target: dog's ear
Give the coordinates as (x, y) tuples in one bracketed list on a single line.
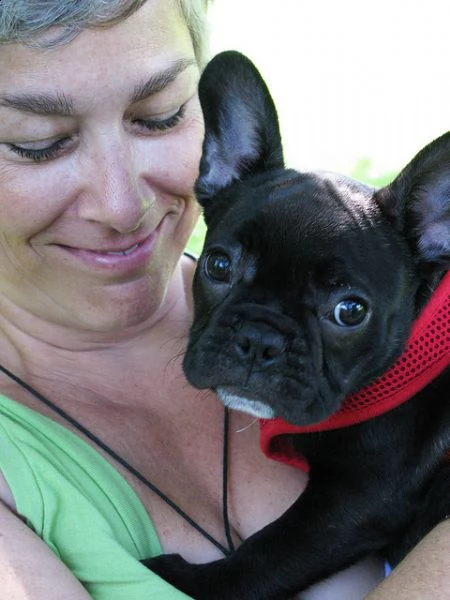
[(418, 202), (242, 135)]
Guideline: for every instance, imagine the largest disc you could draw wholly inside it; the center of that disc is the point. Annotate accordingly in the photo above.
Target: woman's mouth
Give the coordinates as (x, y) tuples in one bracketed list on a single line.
[(116, 260), (120, 252)]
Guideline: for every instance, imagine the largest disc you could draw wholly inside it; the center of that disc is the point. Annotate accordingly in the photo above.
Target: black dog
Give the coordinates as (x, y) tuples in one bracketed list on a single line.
[(306, 291)]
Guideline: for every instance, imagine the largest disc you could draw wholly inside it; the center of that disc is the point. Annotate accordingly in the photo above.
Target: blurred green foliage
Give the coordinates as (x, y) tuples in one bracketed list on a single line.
[(196, 240), (363, 171)]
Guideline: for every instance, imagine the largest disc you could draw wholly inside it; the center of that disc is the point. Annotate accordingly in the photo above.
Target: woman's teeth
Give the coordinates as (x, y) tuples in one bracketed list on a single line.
[(124, 253)]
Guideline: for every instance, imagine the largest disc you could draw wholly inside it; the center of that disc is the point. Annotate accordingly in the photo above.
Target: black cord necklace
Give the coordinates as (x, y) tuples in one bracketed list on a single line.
[(138, 475)]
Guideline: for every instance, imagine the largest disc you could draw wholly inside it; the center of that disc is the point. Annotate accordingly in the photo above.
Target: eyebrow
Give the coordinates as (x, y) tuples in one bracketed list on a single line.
[(61, 105), (161, 80), (39, 104)]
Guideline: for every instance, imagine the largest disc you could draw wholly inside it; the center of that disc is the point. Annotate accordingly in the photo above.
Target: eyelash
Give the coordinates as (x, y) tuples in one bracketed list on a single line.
[(165, 124), (52, 151), (39, 155)]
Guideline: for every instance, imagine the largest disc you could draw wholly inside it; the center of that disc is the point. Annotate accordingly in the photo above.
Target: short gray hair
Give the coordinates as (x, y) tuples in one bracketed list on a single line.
[(24, 20)]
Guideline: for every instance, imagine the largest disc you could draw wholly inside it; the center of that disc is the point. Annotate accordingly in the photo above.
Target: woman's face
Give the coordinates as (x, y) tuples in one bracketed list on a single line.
[(100, 142)]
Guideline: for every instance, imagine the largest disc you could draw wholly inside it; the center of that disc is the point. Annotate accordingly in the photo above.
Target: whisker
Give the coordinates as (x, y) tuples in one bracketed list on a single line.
[(247, 426)]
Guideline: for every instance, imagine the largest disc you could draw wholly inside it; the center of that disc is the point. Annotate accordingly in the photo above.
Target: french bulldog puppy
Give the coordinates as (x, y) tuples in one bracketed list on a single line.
[(307, 290)]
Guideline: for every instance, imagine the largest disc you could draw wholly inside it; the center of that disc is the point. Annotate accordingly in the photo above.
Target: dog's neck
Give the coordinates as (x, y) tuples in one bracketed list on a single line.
[(426, 355)]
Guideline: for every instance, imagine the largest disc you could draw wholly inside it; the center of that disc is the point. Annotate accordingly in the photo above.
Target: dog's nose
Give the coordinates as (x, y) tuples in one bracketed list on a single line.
[(259, 344)]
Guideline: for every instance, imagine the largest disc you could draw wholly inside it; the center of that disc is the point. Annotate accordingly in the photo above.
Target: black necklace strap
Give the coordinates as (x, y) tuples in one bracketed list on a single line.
[(136, 473), (226, 521)]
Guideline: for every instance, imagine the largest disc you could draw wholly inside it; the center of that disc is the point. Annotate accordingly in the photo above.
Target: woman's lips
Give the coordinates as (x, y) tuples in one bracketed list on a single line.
[(133, 257)]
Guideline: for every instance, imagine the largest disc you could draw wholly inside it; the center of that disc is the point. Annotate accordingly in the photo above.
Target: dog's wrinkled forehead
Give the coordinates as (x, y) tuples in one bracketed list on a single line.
[(311, 207), (326, 195), (293, 225)]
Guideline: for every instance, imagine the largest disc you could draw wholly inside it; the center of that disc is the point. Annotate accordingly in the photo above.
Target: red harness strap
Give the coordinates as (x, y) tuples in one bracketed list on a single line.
[(426, 355)]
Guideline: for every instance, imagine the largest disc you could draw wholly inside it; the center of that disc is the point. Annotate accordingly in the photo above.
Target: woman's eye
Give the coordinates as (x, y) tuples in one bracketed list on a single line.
[(164, 124), (39, 151), (217, 266), (349, 312)]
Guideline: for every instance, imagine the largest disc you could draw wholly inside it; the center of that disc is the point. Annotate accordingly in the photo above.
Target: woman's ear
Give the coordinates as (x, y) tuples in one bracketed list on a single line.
[(242, 136)]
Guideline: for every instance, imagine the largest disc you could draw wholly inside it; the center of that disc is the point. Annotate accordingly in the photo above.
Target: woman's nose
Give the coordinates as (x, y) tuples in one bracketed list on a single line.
[(114, 193)]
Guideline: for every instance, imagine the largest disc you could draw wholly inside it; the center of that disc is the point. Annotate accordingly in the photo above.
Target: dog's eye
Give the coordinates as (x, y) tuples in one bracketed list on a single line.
[(217, 267), (349, 312)]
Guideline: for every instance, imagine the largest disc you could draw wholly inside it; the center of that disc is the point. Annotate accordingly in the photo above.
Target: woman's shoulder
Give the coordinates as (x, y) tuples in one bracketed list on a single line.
[(43, 463), (77, 503), (29, 567)]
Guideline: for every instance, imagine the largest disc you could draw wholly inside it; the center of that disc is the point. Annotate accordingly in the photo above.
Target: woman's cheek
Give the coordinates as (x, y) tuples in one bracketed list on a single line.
[(32, 196), (174, 161)]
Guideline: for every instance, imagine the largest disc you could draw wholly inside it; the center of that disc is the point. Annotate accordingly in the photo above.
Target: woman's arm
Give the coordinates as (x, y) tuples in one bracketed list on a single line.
[(29, 569), (353, 583), (424, 573)]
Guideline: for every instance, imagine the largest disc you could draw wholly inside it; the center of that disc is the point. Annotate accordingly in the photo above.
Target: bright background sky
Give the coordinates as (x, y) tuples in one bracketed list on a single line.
[(354, 80)]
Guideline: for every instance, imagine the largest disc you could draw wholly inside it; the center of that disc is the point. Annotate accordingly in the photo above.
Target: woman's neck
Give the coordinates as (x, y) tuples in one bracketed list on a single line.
[(36, 350)]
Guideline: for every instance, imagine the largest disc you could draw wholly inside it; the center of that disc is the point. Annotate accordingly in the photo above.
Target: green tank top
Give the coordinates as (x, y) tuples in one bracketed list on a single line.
[(81, 507)]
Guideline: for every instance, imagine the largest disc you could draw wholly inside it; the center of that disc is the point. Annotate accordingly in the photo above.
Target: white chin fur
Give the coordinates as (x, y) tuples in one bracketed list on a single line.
[(252, 407)]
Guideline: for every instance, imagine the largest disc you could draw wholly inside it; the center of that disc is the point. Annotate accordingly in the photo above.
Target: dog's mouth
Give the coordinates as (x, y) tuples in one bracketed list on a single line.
[(239, 399), (302, 414)]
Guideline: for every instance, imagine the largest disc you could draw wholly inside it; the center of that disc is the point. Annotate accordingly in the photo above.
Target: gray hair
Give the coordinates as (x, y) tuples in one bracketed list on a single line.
[(24, 20)]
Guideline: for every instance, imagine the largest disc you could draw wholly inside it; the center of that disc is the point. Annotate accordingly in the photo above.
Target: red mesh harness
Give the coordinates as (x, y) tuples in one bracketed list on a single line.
[(426, 355)]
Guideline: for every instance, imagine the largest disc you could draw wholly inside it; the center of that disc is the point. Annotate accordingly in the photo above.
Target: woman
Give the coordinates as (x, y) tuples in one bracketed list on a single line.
[(100, 138)]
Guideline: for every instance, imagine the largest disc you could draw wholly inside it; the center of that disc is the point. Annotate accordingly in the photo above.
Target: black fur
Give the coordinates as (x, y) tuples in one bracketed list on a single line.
[(283, 250)]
